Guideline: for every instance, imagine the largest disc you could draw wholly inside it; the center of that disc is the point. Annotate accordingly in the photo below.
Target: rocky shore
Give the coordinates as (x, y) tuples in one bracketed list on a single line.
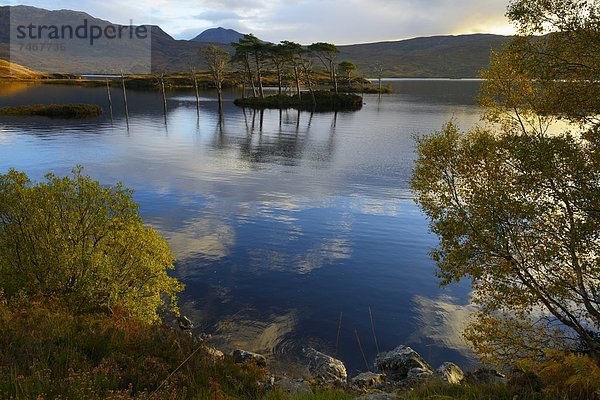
[(399, 369)]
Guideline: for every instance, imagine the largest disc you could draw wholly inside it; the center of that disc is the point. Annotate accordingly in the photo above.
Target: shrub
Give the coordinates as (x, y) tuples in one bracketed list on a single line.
[(71, 238)]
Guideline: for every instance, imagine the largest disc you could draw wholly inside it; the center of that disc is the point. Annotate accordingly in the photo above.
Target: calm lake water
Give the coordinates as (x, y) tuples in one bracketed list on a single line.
[(279, 220)]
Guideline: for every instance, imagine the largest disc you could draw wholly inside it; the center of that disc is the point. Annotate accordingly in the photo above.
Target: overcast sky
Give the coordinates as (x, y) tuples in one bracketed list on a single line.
[(304, 21)]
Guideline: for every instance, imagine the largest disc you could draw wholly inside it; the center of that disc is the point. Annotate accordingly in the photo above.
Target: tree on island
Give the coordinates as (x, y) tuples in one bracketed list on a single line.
[(242, 57), (347, 68), (293, 52), (217, 60), (278, 56), (517, 208), (378, 71), (306, 65), (250, 47), (327, 53)]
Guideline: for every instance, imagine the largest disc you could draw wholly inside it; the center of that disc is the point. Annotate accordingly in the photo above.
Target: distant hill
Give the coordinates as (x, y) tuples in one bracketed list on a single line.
[(11, 70), (462, 56), (218, 35)]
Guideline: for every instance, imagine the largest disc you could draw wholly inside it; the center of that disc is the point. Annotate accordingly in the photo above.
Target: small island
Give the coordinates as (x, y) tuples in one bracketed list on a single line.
[(290, 67), (322, 101), (66, 111)]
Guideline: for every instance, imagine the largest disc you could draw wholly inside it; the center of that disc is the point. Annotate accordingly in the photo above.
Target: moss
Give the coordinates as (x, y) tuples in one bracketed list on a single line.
[(324, 101), (68, 111)]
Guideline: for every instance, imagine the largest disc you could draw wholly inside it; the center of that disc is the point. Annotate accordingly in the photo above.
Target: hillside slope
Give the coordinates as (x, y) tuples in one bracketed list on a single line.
[(11, 70), (461, 56)]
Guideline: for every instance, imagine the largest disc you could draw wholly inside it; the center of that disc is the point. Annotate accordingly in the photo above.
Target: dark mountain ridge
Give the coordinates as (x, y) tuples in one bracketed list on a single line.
[(461, 56), (218, 35)]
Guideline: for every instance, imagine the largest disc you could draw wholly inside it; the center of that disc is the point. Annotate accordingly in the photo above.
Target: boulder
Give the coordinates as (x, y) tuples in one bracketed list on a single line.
[(324, 367), (451, 373), (214, 353), (185, 324), (247, 357), (485, 375), (418, 374), (397, 363), (368, 380), (293, 387)]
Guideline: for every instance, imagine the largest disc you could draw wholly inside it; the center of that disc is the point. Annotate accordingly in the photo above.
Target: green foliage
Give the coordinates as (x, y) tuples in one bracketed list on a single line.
[(46, 352), (347, 68), (518, 216), (67, 111), (516, 208), (71, 238)]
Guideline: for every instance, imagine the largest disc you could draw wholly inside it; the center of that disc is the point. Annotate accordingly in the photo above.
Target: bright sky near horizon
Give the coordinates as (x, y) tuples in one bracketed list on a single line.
[(304, 21)]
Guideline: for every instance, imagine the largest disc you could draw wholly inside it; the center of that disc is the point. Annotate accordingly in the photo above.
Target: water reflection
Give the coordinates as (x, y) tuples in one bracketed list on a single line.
[(279, 219)]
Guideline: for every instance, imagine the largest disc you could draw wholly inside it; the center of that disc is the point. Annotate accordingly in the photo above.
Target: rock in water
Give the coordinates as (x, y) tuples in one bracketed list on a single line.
[(245, 357), (397, 363), (368, 380), (450, 373), (185, 324), (324, 367)]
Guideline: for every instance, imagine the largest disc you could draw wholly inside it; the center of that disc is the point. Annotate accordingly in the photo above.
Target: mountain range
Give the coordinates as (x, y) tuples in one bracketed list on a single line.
[(461, 56)]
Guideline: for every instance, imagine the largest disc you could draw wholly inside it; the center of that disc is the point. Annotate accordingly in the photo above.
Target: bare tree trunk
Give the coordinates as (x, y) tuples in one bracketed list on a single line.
[(259, 76), (310, 86), (251, 77), (279, 79), (297, 76), (220, 95), (334, 77)]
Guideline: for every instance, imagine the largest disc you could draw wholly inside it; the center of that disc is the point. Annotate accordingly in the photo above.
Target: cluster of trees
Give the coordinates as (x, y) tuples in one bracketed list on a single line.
[(516, 203), (290, 62)]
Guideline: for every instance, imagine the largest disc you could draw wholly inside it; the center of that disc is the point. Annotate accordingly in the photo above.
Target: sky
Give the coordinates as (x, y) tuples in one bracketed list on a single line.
[(304, 21)]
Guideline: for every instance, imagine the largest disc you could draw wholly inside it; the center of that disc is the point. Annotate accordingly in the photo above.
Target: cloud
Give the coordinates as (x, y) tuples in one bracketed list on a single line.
[(306, 21), (216, 16), (442, 321)]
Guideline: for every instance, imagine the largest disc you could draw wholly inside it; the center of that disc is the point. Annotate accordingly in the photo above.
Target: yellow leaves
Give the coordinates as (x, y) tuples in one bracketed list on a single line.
[(574, 376), (83, 242)]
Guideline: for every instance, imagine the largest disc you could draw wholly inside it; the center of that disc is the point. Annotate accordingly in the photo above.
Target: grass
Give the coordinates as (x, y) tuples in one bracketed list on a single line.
[(324, 101), (323, 394), (67, 111), (47, 352)]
